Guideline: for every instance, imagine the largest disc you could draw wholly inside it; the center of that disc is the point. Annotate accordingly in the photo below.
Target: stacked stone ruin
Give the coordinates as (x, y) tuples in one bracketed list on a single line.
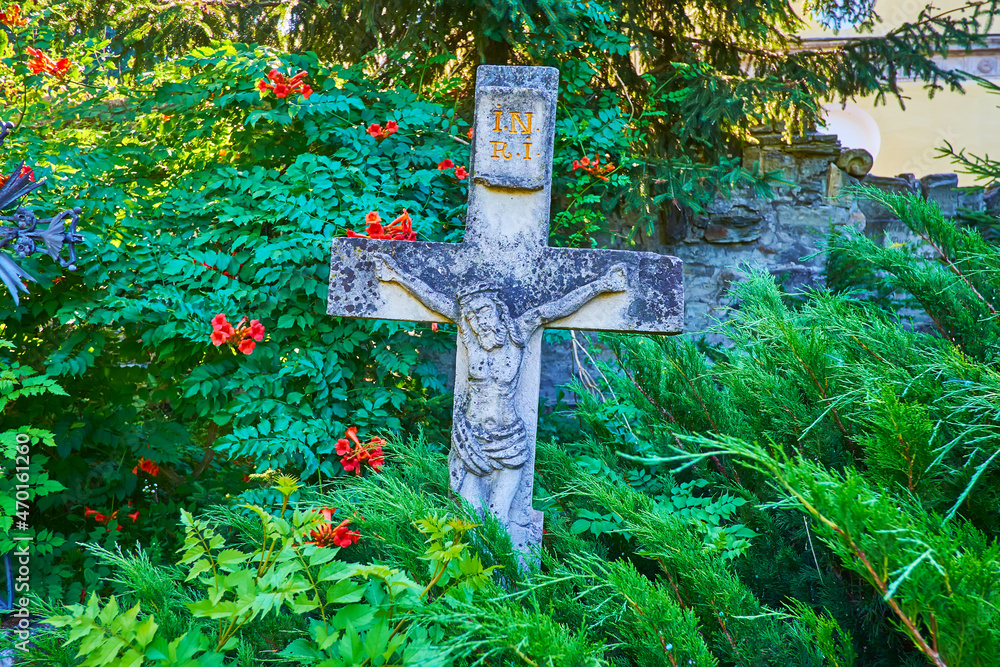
[(780, 233)]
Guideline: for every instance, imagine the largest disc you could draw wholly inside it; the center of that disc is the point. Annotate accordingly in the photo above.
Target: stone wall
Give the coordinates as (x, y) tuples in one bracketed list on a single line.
[(783, 234)]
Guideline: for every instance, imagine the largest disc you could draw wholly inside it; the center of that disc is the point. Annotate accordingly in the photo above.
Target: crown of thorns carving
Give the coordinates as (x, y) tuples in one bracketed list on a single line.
[(27, 231), (477, 289)]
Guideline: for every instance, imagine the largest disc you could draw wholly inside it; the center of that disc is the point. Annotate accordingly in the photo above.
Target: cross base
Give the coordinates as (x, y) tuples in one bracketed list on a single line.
[(523, 522)]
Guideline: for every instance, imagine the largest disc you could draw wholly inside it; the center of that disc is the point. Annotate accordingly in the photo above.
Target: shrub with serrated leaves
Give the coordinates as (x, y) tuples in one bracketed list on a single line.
[(331, 611), (25, 486), (203, 196)]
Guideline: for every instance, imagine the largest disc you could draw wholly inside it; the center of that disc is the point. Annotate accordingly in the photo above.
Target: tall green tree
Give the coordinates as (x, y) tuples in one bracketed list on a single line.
[(693, 76)]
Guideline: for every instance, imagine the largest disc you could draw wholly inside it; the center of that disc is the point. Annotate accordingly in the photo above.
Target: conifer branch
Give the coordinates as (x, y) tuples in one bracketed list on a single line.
[(695, 393), (879, 582), (522, 656), (928, 19), (822, 392), (722, 624), (673, 584), (958, 272), (663, 411), (659, 634)]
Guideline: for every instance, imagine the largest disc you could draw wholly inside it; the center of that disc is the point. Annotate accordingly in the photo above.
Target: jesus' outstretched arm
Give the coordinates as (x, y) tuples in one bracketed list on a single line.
[(388, 271), (615, 280)]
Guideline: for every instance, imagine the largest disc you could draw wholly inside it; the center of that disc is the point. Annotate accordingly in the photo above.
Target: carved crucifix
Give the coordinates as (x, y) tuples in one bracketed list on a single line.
[(501, 287)]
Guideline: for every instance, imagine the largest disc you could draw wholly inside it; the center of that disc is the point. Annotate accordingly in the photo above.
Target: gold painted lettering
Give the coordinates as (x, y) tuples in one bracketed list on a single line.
[(516, 116), (496, 127), (527, 149), (500, 150)]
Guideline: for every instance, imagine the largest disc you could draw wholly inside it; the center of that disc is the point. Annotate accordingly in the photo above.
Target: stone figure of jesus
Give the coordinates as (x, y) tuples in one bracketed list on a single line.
[(489, 437)]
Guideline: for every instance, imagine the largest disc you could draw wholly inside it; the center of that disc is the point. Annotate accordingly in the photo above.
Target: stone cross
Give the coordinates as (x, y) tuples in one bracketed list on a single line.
[(501, 287)]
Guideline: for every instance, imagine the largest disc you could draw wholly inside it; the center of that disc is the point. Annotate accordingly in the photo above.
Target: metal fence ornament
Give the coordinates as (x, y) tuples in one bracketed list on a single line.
[(27, 231)]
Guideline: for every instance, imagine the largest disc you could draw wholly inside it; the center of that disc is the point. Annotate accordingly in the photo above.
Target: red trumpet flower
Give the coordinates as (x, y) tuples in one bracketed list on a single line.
[(282, 87), (147, 466), (40, 63), (25, 171), (12, 17), (593, 167), (242, 337), (460, 172), (382, 133), (328, 535), (400, 229), (354, 457)]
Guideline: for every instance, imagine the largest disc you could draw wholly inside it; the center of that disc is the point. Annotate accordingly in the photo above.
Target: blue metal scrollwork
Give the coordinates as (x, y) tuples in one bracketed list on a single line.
[(27, 230)]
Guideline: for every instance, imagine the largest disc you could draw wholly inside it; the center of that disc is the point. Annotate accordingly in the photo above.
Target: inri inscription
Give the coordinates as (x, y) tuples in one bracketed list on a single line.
[(512, 126), (502, 286)]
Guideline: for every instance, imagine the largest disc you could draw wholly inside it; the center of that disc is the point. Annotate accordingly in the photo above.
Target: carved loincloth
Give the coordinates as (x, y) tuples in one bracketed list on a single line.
[(484, 452)]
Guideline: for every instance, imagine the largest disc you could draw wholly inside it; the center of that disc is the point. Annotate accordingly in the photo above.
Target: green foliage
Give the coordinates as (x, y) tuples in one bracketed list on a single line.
[(333, 612), (938, 577), (649, 599), (17, 381), (883, 436), (25, 483), (193, 169), (688, 80), (954, 279), (650, 591), (201, 196), (110, 635), (715, 517)]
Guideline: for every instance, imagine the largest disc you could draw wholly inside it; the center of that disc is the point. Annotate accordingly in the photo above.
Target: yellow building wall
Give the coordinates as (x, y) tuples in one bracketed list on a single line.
[(909, 137)]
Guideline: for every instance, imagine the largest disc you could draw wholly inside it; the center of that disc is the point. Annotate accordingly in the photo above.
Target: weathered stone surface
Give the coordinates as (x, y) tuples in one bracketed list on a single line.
[(857, 221), (810, 192), (811, 144), (768, 159), (837, 183), (794, 254), (856, 162), (877, 212), (934, 181), (811, 169), (971, 199), (501, 287), (735, 220), (674, 224), (991, 200), (512, 145), (785, 234), (526, 278), (816, 217), (798, 278), (721, 234), (942, 189)]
